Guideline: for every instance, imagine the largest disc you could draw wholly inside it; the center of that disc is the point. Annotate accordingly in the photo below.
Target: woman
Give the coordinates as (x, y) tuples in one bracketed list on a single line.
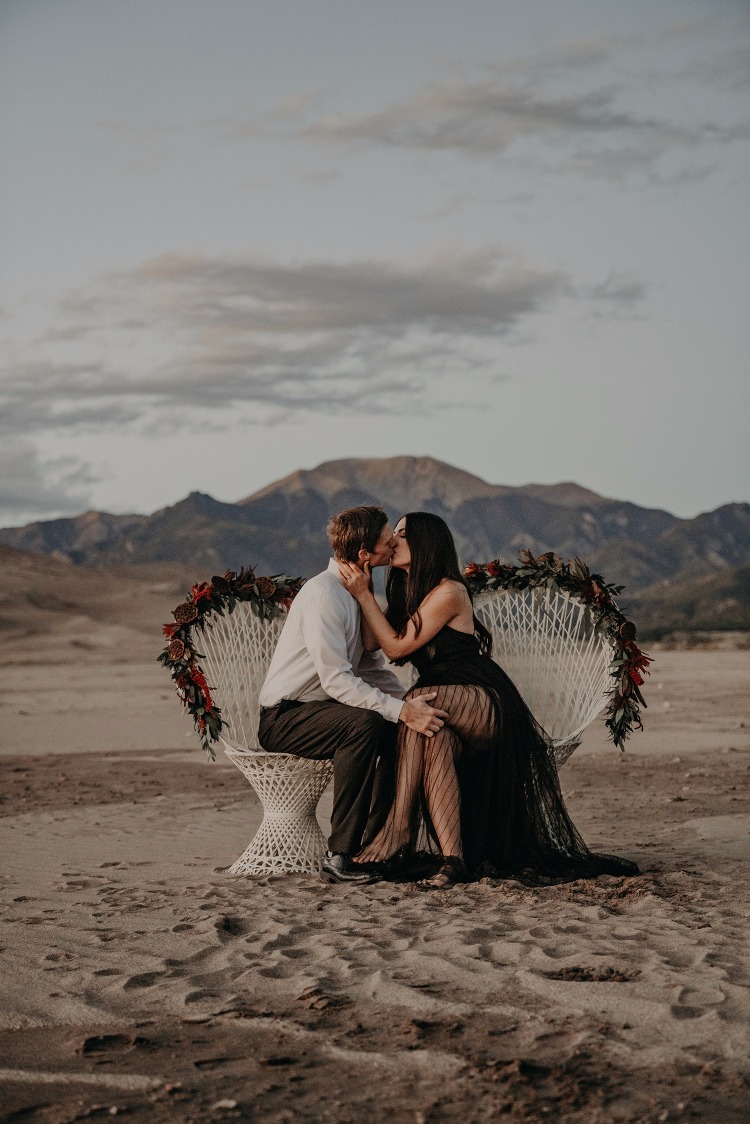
[(485, 783)]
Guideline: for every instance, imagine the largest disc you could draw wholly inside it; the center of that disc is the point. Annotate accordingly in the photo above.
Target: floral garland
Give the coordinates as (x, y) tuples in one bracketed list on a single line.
[(629, 663), (268, 597)]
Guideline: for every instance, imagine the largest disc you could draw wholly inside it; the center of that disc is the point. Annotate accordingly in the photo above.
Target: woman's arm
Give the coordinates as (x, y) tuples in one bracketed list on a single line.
[(370, 642), (442, 605)]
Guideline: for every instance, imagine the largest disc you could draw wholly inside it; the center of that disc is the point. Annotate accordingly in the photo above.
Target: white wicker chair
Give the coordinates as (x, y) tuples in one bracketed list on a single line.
[(546, 642), (237, 650)]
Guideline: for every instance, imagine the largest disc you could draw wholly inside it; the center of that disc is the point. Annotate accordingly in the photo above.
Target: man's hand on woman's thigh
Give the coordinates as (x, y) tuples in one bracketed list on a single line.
[(419, 716)]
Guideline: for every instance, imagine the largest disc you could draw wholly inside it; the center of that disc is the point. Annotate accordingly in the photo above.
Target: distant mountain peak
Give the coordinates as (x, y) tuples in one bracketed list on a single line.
[(386, 477)]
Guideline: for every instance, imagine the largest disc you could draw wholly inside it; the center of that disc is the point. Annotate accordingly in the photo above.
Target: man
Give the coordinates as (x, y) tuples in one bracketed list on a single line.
[(324, 696)]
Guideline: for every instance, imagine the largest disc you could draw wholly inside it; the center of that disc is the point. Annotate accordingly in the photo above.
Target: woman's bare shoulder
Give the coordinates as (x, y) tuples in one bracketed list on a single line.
[(450, 590)]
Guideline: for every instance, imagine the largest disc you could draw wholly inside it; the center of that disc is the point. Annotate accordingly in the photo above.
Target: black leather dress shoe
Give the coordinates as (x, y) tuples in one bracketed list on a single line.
[(340, 868)]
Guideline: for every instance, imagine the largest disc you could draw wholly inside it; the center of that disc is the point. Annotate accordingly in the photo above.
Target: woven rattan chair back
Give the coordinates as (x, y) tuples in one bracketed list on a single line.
[(237, 649), (546, 641)]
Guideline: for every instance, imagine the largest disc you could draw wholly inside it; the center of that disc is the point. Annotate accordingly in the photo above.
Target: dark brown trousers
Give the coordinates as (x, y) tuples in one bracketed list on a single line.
[(362, 744)]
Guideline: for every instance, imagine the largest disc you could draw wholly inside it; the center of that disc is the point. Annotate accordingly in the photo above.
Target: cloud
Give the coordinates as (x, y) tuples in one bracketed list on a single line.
[(478, 118), (187, 338), (559, 109), (30, 487), (586, 132)]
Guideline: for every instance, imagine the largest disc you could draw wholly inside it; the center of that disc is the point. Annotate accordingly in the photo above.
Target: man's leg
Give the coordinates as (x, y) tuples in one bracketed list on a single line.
[(353, 737)]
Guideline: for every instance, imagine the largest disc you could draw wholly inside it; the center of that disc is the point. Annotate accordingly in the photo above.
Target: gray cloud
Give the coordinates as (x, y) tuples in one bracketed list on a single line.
[(563, 99), (29, 486), (182, 334), (189, 339), (619, 290), (484, 117), (587, 131)]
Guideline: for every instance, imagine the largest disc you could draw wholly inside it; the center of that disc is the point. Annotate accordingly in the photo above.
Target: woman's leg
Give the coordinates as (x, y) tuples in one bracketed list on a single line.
[(400, 827), (441, 790), (429, 765)]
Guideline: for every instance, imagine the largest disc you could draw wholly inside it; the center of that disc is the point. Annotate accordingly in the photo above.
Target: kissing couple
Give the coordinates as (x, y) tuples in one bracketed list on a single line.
[(458, 753)]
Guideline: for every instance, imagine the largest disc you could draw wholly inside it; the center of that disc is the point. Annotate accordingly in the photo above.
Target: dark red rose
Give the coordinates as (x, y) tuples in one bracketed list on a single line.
[(493, 568)]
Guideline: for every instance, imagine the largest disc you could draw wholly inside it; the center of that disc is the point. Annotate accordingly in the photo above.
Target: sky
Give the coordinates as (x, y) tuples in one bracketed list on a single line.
[(243, 237)]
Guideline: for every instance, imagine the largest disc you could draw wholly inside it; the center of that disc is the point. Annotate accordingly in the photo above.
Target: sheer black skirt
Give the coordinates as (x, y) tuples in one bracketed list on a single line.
[(485, 786)]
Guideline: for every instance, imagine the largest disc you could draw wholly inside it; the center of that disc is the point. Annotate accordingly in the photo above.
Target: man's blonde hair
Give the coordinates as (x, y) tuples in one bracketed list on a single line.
[(357, 528)]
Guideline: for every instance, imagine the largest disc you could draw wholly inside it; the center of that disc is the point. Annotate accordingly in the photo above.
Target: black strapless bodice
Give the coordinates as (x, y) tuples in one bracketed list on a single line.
[(447, 649)]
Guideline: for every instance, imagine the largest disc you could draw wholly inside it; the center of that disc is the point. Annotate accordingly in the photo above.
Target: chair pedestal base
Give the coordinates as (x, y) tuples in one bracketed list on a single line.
[(283, 846), (289, 838)]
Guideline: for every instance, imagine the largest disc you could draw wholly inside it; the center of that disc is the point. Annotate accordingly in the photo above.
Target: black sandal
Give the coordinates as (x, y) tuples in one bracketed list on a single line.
[(450, 873)]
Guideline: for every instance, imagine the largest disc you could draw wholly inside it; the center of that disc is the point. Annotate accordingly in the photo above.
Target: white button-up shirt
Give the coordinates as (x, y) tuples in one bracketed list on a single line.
[(320, 654)]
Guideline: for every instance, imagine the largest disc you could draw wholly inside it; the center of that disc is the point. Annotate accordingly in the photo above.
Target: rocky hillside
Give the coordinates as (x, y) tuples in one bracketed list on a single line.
[(281, 527)]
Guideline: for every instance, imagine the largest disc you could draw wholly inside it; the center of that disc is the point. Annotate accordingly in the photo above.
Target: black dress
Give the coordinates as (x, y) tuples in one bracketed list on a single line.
[(485, 785)]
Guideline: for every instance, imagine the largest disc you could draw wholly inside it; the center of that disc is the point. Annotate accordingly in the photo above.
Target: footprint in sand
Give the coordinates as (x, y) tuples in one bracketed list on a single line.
[(228, 927), (143, 979), (199, 996), (695, 1002)]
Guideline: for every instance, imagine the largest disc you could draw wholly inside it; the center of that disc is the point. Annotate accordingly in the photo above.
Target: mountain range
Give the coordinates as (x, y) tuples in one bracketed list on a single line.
[(281, 528)]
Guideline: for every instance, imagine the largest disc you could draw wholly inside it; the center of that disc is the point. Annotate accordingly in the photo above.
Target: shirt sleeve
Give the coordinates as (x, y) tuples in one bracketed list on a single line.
[(324, 634), (373, 670)]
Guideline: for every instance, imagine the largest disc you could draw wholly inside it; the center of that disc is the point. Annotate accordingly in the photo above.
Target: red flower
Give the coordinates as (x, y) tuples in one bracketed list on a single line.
[(471, 570), (201, 592), (169, 630), (493, 568), (199, 680), (635, 676)]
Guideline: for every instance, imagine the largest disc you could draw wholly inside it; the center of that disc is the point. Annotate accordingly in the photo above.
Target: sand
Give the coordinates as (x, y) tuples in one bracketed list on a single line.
[(139, 979)]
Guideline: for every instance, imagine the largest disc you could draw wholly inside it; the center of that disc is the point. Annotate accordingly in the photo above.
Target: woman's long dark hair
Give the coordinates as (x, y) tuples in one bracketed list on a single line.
[(433, 557)]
